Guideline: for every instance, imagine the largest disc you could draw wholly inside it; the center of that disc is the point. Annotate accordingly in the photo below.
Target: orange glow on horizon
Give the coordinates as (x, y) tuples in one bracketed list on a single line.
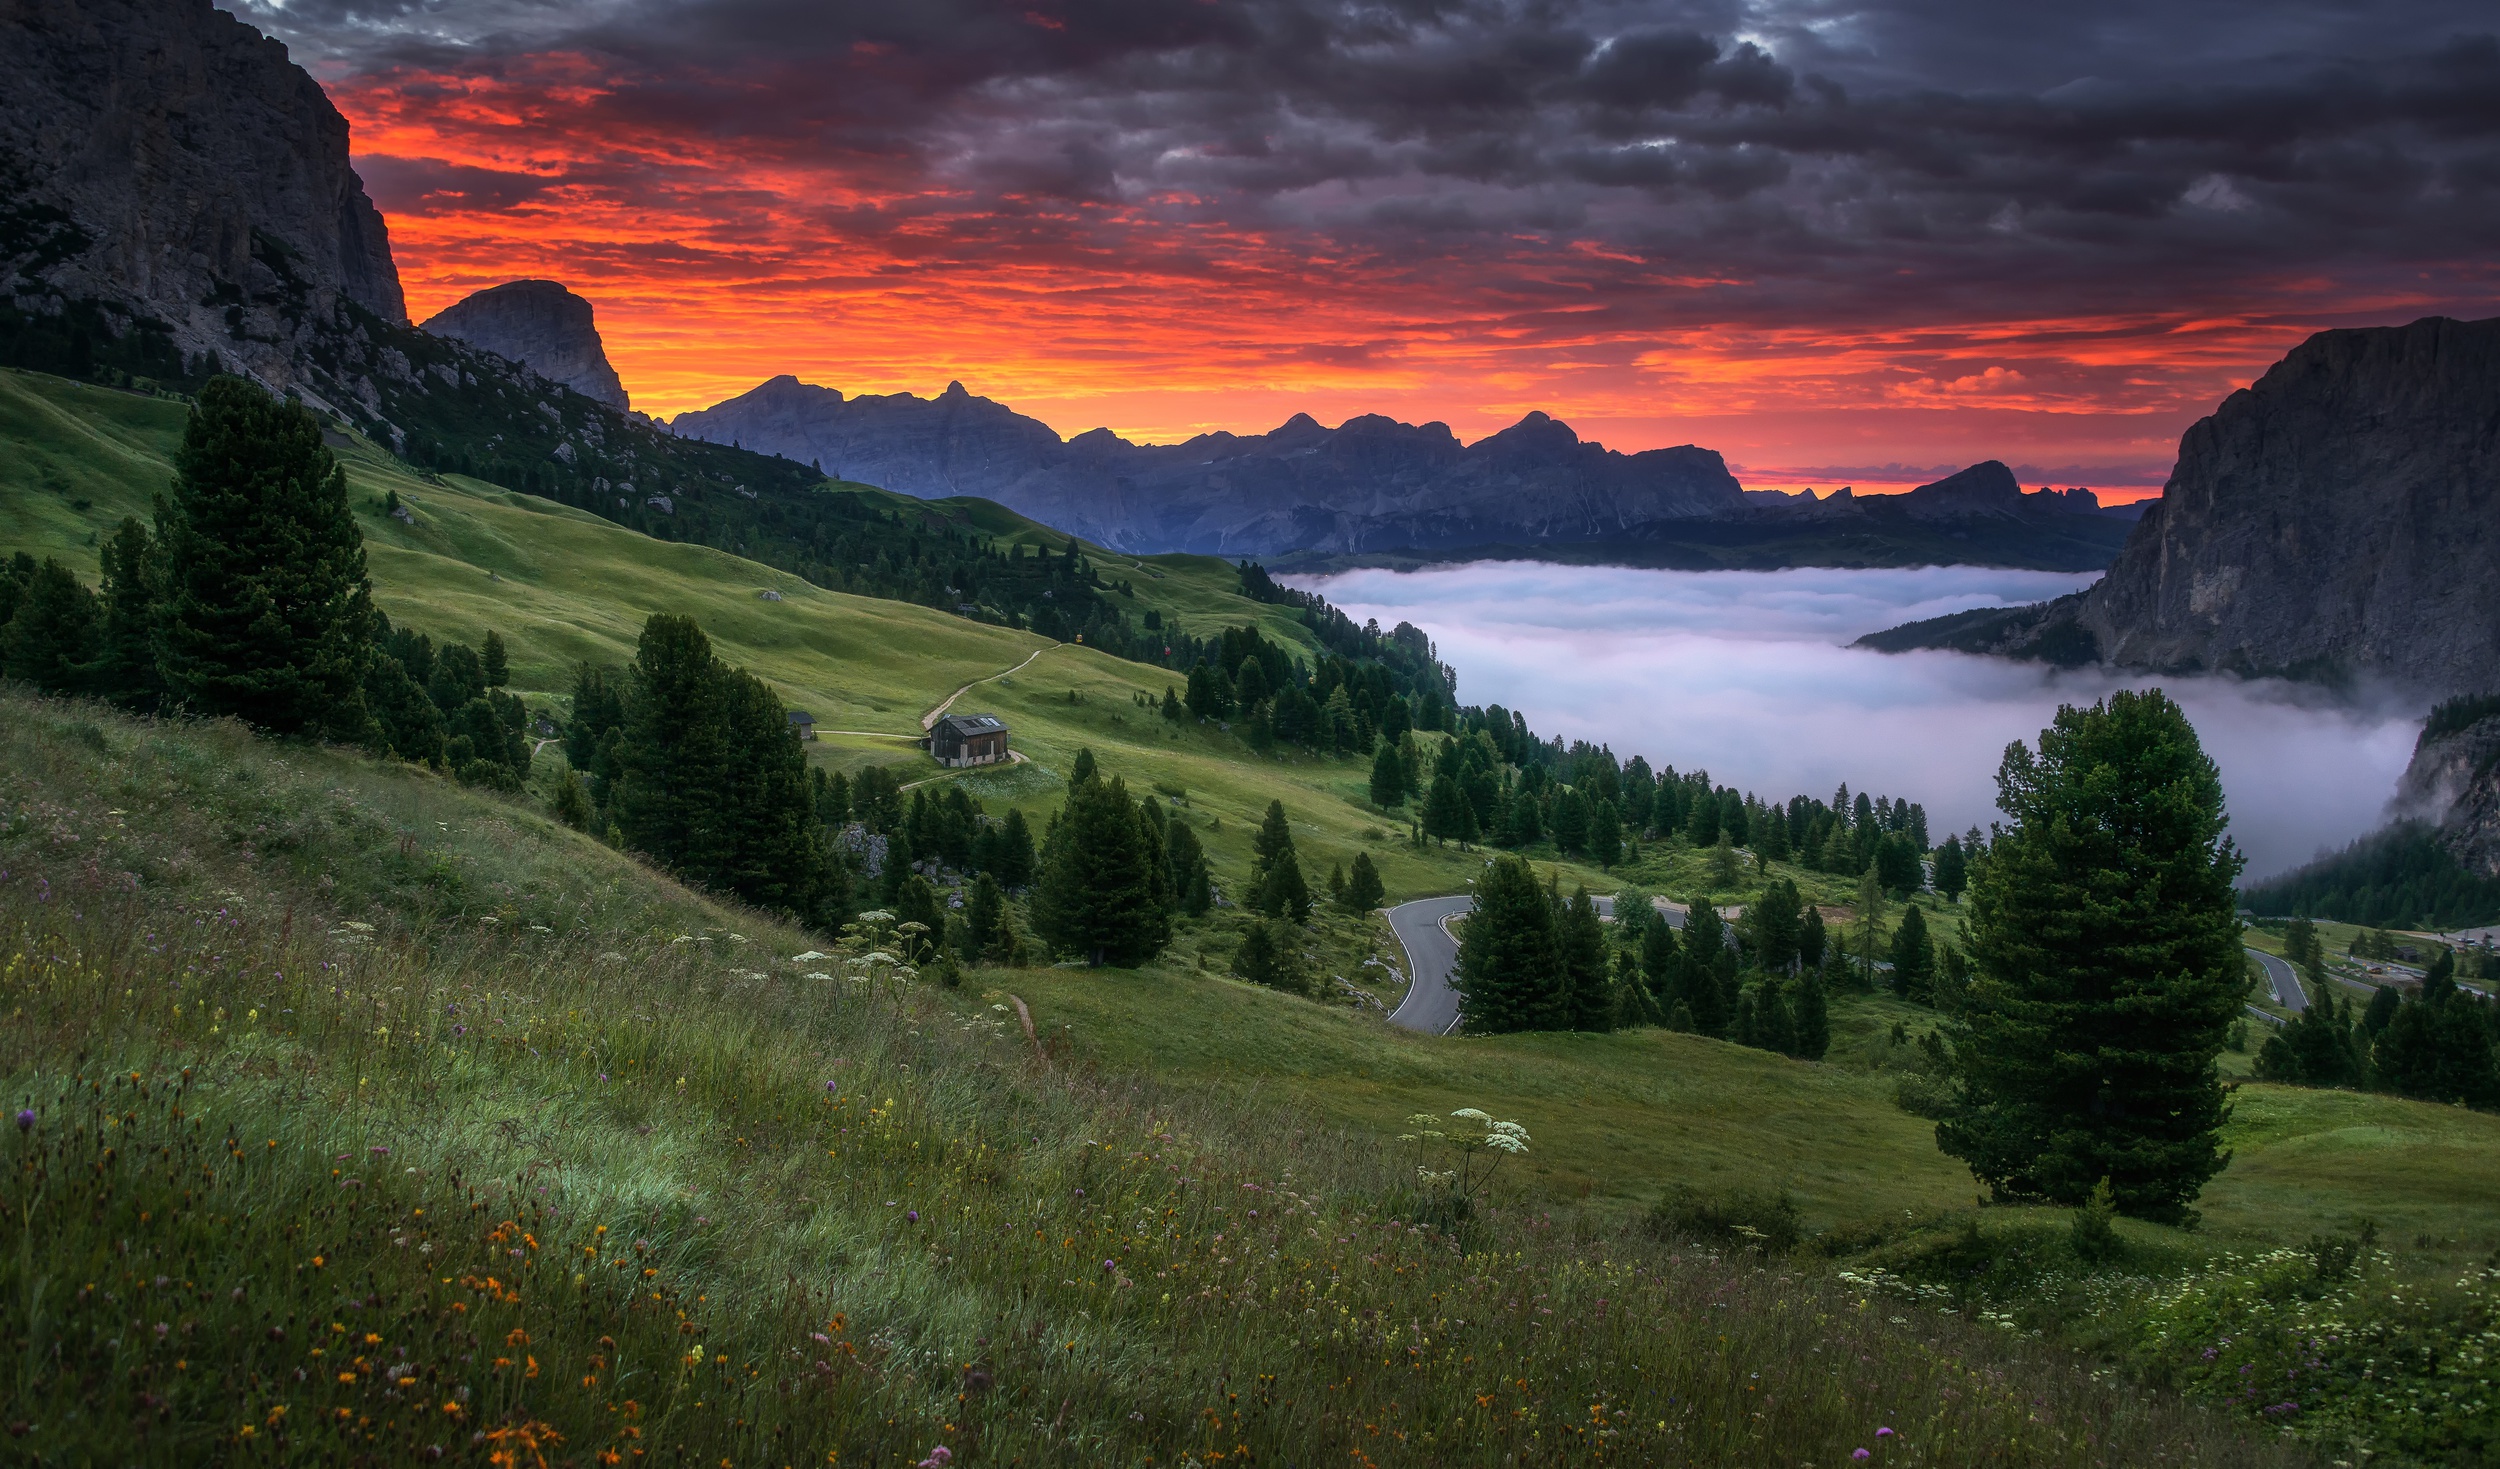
[(713, 271)]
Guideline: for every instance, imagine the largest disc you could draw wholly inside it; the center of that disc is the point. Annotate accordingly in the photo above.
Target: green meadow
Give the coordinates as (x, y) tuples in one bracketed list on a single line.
[(263, 964)]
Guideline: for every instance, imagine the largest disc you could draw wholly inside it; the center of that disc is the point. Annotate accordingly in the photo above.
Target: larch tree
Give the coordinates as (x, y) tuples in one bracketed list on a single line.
[(2105, 944)]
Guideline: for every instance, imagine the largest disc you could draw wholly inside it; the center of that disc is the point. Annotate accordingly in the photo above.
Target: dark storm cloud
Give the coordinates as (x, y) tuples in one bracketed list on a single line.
[(2089, 148)]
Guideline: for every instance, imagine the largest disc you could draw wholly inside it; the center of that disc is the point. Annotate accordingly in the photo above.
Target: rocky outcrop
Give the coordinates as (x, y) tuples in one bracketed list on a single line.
[(1370, 483), (542, 325), (2454, 781), (2340, 518), (164, 163)]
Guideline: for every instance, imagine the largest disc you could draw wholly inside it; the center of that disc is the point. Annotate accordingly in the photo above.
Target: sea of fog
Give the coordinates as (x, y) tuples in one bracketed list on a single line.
[(1749, 675)]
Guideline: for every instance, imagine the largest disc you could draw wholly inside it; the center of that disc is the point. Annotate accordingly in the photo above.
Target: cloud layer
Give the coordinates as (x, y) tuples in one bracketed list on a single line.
[(1747, 675), (1812, 235)]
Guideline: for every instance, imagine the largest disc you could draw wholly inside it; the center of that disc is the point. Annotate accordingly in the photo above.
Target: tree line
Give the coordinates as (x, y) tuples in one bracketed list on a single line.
[(2440, 1043)]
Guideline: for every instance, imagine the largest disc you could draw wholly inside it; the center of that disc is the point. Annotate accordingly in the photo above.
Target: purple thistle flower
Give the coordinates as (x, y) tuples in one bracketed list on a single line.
[(912, 1214), (1883, 1433), (26, 1119), (1860, 1454)]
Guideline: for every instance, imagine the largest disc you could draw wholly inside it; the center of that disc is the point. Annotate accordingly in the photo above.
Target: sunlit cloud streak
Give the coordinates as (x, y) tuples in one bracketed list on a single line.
[(1910, 233), (1748, 675)]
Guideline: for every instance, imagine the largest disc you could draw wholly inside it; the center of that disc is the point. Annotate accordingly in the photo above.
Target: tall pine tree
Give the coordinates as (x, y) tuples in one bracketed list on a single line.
[(264, 609), (1101, 897), (1508, 963), (2106, 946), (1580, 962)]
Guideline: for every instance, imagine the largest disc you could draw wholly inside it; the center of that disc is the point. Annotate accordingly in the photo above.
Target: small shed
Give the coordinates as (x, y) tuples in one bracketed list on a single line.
[(968, 739), (803, 724)]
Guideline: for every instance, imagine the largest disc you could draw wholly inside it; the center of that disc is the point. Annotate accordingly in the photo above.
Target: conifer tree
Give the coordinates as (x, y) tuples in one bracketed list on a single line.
[(1508, 961), (1952, 870), (1811, 939), (1723, 867), (1773, 924), (1083, 769), (918, 903), (1811, 1010), (1605, 843), (1016, 863), (1571, 823), (1708, 963), (50, 640), (494, 661), (1447, 815), (1388, 778), (985, 922), (1775, 1029), (572, 803), (1271, 955), (1662, 961), (2106, 945), (1913, 958), (1187, 859), (1363, 890), (1100, 896), (264, 611), (673, 751), (125, 666), (774, 853), (1580, 957)]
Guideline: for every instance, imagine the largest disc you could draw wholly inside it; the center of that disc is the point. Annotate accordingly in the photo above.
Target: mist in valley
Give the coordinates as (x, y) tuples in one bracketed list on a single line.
[(1749, 675)]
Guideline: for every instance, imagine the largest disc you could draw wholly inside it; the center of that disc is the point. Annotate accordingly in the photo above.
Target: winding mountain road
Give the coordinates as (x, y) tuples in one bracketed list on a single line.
[(1431, 1003), (2288, 992)]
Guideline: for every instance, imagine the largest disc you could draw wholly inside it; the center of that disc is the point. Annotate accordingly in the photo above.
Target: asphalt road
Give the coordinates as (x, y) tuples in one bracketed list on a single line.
[(1431, 1005), (2288, 992)]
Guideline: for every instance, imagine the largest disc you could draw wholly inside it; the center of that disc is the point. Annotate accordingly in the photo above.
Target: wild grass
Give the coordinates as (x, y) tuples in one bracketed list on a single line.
[(370, 1118)]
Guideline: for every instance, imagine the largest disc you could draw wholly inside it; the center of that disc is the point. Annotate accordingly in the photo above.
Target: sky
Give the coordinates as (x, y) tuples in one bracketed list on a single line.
[(1749, 675), (1841, 243)]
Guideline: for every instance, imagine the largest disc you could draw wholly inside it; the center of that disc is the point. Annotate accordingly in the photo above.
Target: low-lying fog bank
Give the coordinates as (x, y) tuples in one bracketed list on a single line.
[(1748, 675)]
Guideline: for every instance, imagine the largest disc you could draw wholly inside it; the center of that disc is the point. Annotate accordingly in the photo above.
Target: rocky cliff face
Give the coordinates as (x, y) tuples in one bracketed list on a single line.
[(163, 162), (2454, 781), (1369, 483), (2339, 518), (542, 325)]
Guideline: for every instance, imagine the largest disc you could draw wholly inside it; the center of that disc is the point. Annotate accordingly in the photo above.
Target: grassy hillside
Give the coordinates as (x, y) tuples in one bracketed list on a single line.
[(1185, 1074), (365, 1117)]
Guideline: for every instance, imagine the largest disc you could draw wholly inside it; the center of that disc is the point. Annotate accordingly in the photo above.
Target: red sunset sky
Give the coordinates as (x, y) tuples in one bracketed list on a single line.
[(1836, 257)]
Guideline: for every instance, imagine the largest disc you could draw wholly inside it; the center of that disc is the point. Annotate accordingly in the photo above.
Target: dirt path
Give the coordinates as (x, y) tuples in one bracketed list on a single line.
[(933, 716)]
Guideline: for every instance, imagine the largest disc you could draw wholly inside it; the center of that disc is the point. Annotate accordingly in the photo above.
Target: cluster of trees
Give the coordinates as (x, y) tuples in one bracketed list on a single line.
[(1535, 960), (2440, 1044), (2402, 877), (1337, 706), (1115, 871), (249, 598), (1414, 665)]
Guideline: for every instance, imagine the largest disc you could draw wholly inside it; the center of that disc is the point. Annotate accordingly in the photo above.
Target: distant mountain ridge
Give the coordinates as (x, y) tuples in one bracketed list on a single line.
[(1370, 487)]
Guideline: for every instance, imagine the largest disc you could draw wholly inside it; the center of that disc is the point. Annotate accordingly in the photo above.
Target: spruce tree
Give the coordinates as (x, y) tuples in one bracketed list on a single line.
[(1187, 858), (673, 753), (1952, 870), (1508, 962), (264, 611), (1773, 925), (1580, 959), (2106, 945), (1662, 961), (125, 665), (985, 922), (1913, 958), (1100, 897), (774, 853), (1812, 1016), (1363, 889), (495, 661), (1447, 815), (1571, 823), (1017, 863), (50, 640), (1271, 955), (1707, 963), (1605, 833), (1388, 778)]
